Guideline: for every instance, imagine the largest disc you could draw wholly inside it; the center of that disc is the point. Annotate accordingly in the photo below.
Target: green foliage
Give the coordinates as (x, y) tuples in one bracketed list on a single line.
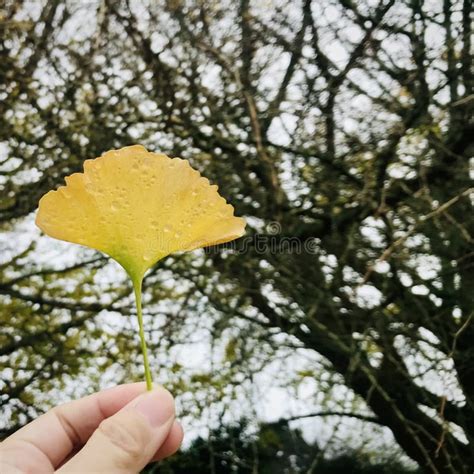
[(344, 125), (274, 449)]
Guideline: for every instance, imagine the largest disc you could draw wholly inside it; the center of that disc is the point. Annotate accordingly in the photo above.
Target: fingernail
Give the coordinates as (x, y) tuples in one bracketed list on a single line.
[(156, 406)]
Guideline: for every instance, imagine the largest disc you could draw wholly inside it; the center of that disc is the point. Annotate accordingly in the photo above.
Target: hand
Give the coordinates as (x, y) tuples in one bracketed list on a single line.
[(117, 431)]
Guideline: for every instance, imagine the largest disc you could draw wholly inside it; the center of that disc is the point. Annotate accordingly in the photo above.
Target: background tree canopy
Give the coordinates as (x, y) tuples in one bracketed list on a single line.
[(342, 130)]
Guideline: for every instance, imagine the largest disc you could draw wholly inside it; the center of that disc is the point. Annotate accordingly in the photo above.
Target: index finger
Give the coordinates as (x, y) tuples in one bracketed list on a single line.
[(59, 431)]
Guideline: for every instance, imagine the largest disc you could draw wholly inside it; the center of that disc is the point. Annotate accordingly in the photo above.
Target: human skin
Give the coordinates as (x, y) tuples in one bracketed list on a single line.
[(119, 430)]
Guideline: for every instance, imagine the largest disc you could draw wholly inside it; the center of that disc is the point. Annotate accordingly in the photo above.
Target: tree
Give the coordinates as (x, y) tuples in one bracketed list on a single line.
[(275, 448), (341, 129)]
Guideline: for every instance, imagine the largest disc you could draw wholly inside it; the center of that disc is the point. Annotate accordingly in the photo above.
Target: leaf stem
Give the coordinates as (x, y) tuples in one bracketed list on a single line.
[(137, 288)]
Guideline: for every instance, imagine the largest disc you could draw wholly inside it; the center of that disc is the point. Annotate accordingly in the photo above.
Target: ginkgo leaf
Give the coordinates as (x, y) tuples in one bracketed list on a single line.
[(138, 207)]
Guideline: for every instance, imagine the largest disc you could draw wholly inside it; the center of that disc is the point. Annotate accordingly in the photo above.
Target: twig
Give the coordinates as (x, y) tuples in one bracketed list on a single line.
[(389, 250)]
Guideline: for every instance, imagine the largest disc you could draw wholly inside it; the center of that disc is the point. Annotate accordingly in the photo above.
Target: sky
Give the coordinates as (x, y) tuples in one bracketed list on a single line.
[(271, 393)]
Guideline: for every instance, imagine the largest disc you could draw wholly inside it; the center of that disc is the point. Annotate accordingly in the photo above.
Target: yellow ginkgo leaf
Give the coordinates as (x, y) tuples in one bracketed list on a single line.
[(138, 207)]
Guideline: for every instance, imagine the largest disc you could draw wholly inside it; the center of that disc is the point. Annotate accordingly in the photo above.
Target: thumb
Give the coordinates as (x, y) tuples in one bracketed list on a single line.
[(127, 441)]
